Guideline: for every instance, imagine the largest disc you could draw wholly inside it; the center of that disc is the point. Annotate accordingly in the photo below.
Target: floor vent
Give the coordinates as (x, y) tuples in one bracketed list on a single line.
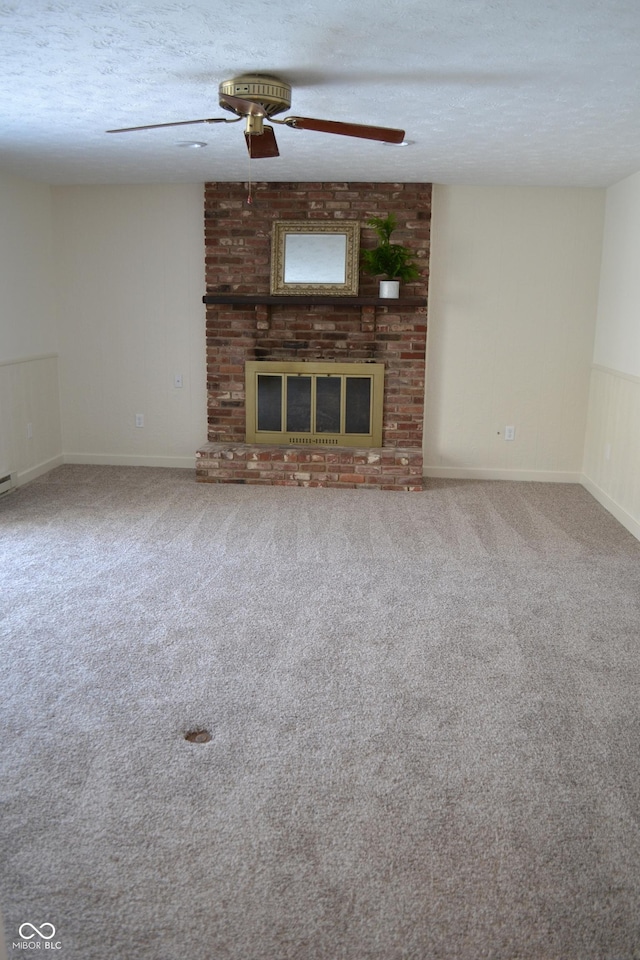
[(5, 484)]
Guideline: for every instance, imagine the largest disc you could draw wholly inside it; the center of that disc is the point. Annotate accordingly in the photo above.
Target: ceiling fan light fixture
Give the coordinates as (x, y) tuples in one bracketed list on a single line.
[(270, 93)]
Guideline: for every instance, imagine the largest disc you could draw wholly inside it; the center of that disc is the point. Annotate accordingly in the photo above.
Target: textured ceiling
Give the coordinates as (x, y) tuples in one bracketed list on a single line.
[(490, 91)]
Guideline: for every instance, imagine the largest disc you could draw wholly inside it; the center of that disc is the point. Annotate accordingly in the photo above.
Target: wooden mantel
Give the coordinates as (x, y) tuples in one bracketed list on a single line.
[(252, 299)]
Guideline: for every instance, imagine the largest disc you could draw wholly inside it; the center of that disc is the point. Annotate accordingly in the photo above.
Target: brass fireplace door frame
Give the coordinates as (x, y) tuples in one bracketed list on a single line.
[(373, 371)]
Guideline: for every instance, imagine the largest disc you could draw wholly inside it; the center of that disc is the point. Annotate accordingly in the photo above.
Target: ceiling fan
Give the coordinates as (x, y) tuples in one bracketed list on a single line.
[(255, 97)]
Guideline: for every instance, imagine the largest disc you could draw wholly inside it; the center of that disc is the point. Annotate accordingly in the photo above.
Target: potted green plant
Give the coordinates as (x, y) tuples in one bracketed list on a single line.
[(393, 261)]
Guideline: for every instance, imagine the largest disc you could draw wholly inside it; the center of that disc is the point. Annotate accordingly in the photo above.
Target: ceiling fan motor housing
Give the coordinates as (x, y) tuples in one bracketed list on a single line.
[(272, 94)]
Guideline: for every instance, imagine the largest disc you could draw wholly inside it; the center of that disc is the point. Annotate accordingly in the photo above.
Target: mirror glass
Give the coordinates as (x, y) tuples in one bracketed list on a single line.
[(315, 258)]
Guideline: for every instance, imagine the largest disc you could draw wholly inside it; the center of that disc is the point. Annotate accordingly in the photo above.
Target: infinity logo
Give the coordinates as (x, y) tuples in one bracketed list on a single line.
[(44, 936)]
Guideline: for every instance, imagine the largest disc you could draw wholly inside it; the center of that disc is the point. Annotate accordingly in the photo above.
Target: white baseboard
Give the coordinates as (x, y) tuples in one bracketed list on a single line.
[(487, 473), (25, 476), (124, 460), (615, 509)]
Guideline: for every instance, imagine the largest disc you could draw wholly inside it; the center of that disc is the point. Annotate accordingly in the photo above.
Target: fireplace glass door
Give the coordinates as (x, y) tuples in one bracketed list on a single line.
[(314, 403)]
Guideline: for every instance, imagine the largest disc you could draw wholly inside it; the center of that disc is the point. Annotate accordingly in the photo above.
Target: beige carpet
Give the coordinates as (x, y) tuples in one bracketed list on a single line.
[(423, 709)]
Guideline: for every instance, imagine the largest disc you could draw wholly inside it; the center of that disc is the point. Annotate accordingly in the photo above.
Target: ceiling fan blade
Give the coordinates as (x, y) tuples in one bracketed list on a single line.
[(177, 123), (244, 107), (385, 134), (261, 145)]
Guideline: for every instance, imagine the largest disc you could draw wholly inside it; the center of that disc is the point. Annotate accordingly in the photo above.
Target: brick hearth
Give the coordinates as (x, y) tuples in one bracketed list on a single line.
[(238, 257), (386, 468)]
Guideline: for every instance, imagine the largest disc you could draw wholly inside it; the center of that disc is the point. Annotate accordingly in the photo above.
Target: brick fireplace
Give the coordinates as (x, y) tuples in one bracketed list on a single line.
[(238, 259)]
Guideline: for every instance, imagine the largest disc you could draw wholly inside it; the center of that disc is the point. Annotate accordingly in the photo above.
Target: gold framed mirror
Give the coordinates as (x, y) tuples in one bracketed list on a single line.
[(309, 257)]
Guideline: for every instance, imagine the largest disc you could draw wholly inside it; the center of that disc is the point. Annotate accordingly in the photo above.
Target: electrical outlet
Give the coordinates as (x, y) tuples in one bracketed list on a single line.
[(139, 419), (607, 451), (509, 433), (29, 431)]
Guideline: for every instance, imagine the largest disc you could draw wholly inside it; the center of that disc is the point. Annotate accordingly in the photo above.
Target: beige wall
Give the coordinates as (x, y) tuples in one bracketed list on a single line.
[(612, 445), (30, 436), (130, 276), (617, 340), (514, 280), (101, 306), (27, 315)]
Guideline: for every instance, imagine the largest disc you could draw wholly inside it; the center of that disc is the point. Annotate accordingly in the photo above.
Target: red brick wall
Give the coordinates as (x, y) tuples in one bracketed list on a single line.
[(238, 260)]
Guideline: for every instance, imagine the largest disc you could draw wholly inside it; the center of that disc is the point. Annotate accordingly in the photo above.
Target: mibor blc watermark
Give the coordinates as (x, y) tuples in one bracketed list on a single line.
[(36, 938)]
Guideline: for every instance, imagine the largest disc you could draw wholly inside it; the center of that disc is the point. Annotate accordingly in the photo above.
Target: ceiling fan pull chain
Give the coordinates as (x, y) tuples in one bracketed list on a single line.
[(249, 197)]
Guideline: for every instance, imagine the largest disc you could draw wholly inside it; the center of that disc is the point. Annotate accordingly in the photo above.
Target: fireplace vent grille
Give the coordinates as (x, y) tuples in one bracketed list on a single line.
[(313, 439)]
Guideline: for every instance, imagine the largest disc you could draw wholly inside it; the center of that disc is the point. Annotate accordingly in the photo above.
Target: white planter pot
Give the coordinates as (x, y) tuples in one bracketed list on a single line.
[(389, 289)]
